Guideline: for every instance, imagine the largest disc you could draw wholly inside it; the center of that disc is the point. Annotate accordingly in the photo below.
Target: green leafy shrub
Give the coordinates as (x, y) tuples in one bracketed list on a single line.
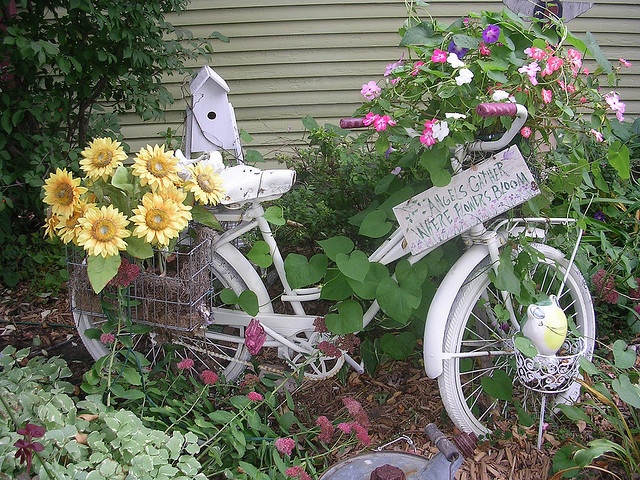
[(63, 63), (611, 408), (83, 440)]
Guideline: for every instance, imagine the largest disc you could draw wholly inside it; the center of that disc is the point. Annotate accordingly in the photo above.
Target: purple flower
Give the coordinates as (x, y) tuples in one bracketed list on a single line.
[(254, 337), (491, 34), (459, 51), (599, 216)]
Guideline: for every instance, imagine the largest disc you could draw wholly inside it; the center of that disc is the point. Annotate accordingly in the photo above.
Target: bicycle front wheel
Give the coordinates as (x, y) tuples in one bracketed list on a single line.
[(473, 330), (207, 346)]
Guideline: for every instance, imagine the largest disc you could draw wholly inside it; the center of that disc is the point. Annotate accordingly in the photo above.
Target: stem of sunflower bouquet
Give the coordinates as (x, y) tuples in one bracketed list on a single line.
[(112, 356)]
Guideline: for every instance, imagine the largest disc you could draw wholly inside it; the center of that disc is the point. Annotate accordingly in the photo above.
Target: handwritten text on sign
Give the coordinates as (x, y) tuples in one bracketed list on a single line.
[(473, 196)]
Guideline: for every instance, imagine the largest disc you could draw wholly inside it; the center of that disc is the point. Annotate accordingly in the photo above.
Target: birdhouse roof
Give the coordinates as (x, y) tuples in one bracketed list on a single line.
[(205, 74)]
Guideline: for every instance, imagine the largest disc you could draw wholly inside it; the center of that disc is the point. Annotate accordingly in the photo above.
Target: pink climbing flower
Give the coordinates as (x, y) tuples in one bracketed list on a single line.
[(547, 95), (483, 49), (624, 63), (613, 100), (416, 68), (285, 445), (531, 71), (535, 53), (553, 64), (597, 134), (525, 132), (439, 56), (382, 122), (370, 90)]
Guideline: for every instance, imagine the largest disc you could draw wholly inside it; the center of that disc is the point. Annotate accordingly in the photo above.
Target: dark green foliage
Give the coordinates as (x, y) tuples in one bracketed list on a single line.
[(65, 63)]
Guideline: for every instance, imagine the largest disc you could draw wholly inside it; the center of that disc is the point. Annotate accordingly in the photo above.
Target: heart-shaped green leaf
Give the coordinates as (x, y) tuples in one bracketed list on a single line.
[(101, 270), (398, 302), (627, 391), (334, 245), (355, 266), (335, 286), (623, 357), (260, 254), (375, 225), (302, 272), (399, 346), (347, 320), (367, 288), (274, 215), (248, 302), (498, 385)]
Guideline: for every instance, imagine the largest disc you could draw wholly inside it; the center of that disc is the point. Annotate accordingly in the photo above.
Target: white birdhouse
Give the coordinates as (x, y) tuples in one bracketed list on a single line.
[(211, 121)]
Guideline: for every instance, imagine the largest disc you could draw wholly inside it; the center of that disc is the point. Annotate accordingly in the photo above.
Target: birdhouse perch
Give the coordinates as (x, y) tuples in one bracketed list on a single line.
[(211, 121)]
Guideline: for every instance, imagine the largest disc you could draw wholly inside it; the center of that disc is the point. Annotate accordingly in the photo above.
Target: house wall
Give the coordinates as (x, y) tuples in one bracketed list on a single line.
[(288, 59)]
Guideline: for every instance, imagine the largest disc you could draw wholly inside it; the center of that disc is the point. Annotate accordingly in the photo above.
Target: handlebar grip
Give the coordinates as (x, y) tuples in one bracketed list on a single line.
[(497, 109), (349, 123)]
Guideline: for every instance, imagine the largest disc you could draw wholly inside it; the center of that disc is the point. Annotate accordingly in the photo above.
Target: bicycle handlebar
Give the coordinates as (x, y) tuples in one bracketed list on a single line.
[(484, 110)]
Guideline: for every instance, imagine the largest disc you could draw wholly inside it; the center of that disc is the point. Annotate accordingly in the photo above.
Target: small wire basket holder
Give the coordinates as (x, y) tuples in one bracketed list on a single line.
[(170, 291), (551, 374)]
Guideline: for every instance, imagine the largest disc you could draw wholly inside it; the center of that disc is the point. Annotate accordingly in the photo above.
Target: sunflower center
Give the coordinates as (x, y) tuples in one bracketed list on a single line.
[(103, 230), (157, 167), (157, 219), (205, 183), (65, 194), (103, 158)]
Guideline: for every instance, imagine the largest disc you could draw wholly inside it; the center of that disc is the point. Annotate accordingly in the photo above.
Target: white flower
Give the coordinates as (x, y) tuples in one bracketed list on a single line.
[(454, 61), (464, 76), (499, 95), (455, 115), (440, 130)]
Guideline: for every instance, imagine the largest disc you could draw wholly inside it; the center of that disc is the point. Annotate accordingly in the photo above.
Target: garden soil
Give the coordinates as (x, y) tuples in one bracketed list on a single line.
[(400, 400)]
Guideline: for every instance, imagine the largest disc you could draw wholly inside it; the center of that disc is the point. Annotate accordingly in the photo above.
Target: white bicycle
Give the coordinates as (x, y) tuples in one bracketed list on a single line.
[(468, 340)]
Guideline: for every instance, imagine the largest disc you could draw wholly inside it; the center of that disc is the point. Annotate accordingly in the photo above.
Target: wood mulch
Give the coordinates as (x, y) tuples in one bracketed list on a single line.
[(400, 400)]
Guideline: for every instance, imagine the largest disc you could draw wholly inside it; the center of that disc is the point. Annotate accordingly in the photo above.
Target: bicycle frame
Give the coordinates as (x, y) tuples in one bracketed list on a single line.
[(280, 328)]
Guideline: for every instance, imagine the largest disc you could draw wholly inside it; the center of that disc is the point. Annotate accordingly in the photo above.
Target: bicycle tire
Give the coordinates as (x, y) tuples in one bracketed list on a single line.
[(469, 328), (224, 358)]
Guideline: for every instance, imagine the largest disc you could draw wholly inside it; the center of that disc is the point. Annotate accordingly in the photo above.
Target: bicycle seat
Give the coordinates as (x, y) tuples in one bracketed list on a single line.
[(243, 183)]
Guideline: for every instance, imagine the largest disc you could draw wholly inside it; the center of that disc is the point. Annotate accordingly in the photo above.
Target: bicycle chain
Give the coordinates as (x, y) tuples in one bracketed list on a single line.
[(262, 367)]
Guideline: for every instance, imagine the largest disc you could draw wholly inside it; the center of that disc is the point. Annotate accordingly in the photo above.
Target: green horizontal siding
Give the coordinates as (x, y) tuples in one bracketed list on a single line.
[(290, 59)]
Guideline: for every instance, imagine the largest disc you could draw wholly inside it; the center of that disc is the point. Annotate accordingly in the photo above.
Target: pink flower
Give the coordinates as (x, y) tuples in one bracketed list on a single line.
[(127, 273), (107, 338), (285, 445), (571, 88), (531, 71), (416, 68), (369, 118), (547, 95), (329, 349), (209, 377), (575, 59), (254, 337), (613, 100), (484, 50), (249, 380), (624, 62), (255, 397), (634, 293), (439, 56), (326, 429), (356, 411), (525, 132), (605, 287), (597, 134), (345, 427), (536, 53), (185, 364), (320, 326), (427, 138), (392, 66), (297, 472), (370, 90), (362, 435), (553, 64), (382, 122)]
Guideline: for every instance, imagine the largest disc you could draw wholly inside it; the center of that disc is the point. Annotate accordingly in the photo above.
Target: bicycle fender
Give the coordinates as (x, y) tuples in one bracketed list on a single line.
[(249, 275), (440, 308)]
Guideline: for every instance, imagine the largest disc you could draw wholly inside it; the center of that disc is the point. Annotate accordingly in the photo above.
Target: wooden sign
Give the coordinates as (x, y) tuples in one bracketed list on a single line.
[(479, 193)]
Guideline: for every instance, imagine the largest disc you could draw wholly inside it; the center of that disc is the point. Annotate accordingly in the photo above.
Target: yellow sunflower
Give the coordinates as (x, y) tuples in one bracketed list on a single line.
[(102, 157), (155, 167), (103, 231), (178, 195), (50, 225), (70, 228), (205, 184), (62, 192), (157, 220)]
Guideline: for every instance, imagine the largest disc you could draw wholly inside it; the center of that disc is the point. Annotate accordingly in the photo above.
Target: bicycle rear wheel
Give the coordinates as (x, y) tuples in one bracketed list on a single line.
[(204, 345), (473, 328)]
